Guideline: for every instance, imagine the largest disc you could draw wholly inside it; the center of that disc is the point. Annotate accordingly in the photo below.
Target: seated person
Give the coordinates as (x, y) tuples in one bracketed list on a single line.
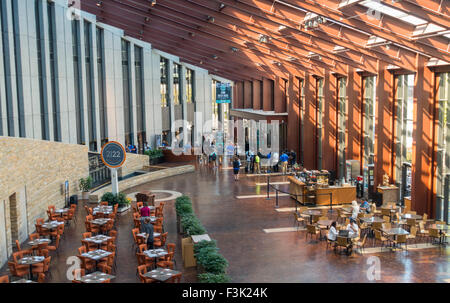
[(352, 228), (365, 205), (332, 233), (145, 211), (355, 209)]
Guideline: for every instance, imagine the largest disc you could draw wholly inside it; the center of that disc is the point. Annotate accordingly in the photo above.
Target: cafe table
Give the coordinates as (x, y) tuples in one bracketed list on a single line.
[(61, 211), (145, 235), (100, 221), (31, 260), (99, 239), (51, 225), (95, 277), (106, 210), (370, 220), (161, 274), (311, 213), (396, 231), (156, 253), (39, 241), (97, 255), (326, 223), (411, 216)]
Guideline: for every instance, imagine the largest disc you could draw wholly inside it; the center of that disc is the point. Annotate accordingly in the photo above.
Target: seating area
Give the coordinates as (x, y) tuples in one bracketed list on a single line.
[(389, 227)]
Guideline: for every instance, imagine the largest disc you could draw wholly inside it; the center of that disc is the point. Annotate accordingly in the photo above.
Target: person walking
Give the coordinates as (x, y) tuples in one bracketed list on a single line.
[(284, 162), (236, 168), (147, 227), (257, 164)]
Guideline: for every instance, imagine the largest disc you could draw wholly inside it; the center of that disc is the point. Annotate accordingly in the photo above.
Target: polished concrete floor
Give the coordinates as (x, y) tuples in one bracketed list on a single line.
[(256, 256)]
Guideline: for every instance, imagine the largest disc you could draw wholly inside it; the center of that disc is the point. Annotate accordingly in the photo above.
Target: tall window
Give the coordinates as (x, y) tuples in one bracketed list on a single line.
[(140, 102), (215, 106), (90, 86), (443, 148), (369, 118), (164, 66), (41, 70), (101, 87), (319, 104), (53, 71), (302, 120), (404, 128), (342, 112), (176, 84), (77, 81), (190, 86), (127, 107), (18, 65)]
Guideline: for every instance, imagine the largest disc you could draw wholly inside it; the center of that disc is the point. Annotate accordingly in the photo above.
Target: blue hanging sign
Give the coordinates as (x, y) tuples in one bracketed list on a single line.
[(223, 93)]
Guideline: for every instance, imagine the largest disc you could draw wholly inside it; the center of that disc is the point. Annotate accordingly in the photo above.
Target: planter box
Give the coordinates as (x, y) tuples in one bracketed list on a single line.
[(154, 161), (123, 209), (187, 251)]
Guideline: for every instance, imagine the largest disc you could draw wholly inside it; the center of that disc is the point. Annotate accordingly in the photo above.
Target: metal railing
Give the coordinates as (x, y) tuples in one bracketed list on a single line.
[(99, 173)]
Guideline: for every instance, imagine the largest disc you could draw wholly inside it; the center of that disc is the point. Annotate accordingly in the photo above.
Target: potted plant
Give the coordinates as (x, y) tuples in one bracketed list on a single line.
[(85, 186), (120, 199)]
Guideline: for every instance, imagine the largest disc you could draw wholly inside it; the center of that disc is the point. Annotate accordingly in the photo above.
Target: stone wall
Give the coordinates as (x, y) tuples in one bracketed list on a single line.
[(133, 163), (32, 174), (151, 176)]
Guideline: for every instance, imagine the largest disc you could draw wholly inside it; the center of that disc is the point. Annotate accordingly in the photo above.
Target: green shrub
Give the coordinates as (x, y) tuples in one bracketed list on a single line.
[(183, 206), (192, 225), (213, 262), (213, 278), (112, 199), (200, 246), (154, 153)]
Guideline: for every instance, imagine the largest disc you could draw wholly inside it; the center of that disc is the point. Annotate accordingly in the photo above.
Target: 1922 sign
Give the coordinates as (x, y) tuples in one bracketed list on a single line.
[(113, 154)]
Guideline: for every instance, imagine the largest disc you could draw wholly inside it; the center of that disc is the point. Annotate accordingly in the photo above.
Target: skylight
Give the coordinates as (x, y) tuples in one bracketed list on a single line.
[(377, 6)]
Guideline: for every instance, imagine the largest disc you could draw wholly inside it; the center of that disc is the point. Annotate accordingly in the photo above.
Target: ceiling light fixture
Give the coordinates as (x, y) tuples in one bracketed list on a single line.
[(221, 6), (210, 19), (153, 2), (99, 3), (234, 49)]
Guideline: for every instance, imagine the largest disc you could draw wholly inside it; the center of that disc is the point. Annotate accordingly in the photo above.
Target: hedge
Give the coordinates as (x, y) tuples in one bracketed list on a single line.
[(206, 252)]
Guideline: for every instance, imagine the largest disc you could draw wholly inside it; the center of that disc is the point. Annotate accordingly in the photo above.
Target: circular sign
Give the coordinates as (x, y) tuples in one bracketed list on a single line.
[(113, 154)]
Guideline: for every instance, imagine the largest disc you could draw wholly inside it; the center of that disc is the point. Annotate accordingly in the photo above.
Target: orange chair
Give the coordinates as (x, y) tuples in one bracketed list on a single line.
[(144, 260), (109, 263), (25, 251), (40, 221), (162, 241), (167, 262), (139, 204), (42, 267), (17, 256), (175, 278), (34, 236), (4, 279), (113, 233), (18, 270), (157, 228), (142, 270), (142, 248), (87, 264), (104, 203), (41, 278), (43, 253), (56, 246), (87, 235), (41, 231)]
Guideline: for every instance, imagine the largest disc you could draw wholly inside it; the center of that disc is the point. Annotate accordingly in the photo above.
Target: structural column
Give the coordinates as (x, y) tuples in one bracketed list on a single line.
[(293, 97), (422, 198), (267, 94), (354, 110), (248, 94), (329, 123), (309, 122), (257, 94), (384, 124)]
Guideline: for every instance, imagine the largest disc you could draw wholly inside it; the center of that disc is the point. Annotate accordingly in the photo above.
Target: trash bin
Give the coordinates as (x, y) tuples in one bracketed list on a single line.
[(73, 199)]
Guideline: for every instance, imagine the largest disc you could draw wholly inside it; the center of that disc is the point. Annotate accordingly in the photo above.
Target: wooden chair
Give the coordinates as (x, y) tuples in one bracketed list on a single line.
[(401, 239), (142, 248), (380, 238), (4, 279), (412, 234), (411, 223), (162, 241), (312, 230), (56, 246), (40, 221), (298, 219), (25, 251), (175, 278), (387, 219), (18, 270), (342, 242), (167, 263), (434, 234), (144, 260), (142, 270), (103, 203), (42, 267), (360, 244)]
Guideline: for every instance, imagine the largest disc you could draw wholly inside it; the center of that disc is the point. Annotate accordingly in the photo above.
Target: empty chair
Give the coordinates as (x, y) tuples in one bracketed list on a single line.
[(4, 279)]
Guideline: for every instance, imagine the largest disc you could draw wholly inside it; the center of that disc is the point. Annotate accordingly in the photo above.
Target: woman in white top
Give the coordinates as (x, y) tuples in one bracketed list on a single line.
[(355, 209), (332, 233), (352, 228)]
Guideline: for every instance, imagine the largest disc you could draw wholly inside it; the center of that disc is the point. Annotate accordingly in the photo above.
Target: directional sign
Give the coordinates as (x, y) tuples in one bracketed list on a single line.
[(113, 154)]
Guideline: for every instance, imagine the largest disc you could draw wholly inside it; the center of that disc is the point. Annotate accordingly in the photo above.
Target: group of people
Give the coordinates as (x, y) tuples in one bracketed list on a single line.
[(274, 161), (131, 148)]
